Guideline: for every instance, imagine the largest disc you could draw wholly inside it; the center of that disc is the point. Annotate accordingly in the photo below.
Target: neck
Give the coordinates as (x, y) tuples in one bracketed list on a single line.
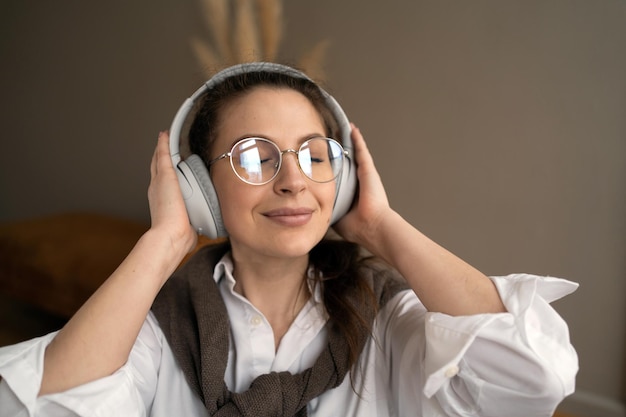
[(277, 287)]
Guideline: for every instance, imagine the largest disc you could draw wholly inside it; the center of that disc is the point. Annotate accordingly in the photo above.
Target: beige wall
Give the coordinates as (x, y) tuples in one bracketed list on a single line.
[(498, 127)]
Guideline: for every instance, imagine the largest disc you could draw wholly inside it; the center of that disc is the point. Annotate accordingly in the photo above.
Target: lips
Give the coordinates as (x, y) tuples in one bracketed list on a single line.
[(291, 217)]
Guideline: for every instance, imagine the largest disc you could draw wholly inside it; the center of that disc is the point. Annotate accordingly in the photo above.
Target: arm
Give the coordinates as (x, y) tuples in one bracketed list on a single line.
[(441, 280), (99, 338)]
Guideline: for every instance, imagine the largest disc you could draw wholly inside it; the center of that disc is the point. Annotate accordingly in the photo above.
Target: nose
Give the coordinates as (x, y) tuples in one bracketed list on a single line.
[(290, 178)]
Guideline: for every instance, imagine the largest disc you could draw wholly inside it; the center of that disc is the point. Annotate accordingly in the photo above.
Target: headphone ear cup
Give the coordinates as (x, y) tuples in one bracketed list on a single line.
[(200, 197)]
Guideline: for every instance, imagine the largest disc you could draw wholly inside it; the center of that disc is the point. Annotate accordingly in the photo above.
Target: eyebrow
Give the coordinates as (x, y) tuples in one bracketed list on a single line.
[(251, 136)]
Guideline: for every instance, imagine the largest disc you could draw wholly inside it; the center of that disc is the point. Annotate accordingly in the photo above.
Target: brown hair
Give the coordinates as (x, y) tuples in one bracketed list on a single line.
[(348, 299)]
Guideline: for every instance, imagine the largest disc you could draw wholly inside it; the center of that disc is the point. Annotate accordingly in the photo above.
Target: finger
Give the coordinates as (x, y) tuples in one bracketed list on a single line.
[(362, 154), (161, 158), (367, 172), (154, 157)]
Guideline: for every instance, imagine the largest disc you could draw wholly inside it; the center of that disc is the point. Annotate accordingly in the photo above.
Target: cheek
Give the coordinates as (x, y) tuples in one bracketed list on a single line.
[(232, 207), (229, 196)]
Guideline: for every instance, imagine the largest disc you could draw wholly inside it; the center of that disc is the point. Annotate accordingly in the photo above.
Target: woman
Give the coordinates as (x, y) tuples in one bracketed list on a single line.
[(293, 323)]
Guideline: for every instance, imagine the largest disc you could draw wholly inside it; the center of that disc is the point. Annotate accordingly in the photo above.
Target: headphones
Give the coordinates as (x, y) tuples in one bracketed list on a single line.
[(195, 182)]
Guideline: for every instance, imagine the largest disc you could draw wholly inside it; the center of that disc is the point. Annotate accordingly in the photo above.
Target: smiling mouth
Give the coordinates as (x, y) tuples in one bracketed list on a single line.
[(290, 217)]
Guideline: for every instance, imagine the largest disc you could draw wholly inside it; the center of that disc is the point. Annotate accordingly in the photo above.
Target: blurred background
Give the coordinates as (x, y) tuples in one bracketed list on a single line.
[(498, 127)]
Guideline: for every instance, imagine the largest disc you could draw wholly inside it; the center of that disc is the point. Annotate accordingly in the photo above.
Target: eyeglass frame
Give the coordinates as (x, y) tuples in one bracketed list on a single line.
[(344, 154)]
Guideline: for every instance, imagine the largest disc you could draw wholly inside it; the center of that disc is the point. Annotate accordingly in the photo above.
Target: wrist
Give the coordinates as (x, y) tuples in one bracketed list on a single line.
[(378, 237), (164, 251)]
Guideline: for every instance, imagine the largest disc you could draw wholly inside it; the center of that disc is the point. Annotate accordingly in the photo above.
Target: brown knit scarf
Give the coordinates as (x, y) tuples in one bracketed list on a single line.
[(193, 318)]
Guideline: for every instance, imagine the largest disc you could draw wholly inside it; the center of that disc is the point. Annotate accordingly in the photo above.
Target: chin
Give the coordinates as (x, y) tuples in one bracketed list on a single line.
[(293, 248), (291, 245)]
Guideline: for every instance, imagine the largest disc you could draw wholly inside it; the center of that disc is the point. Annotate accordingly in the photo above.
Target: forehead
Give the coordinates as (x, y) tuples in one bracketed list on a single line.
[(272, 112)]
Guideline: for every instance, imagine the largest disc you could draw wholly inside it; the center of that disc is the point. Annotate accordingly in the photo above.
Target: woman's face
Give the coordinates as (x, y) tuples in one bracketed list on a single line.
[(289, 215)]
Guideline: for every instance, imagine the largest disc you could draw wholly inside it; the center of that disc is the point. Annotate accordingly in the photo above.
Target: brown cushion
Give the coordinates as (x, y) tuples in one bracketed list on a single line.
[(57, 262)]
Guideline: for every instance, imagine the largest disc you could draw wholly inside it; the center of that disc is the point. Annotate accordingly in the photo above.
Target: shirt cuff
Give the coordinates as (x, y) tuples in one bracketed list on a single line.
[(112, 395), (526, 298), (21, 367)]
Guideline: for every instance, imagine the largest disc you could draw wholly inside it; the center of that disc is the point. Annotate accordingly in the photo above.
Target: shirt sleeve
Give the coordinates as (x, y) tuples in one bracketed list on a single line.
[(128, 391), (519, 363)]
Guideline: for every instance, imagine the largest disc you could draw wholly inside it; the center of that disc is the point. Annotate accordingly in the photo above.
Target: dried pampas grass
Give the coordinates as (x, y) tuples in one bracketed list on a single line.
[(270, 14), (204, 54), (245, 31), (313, 61), (217, 13), (246, 43)]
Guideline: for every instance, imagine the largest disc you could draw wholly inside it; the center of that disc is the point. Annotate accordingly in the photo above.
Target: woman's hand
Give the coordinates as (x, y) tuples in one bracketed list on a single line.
[(361, 224), (167, 207)]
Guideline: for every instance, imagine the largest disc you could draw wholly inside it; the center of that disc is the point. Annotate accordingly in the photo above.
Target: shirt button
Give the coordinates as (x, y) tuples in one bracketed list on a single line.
[(256, 320), (451, 371)]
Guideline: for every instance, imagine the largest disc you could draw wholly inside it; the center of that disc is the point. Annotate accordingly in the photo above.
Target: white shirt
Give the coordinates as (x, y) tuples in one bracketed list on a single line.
[(417, 363)]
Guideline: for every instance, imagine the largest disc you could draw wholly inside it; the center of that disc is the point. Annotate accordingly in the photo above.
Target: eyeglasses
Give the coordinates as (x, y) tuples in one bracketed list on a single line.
[(257, 161)]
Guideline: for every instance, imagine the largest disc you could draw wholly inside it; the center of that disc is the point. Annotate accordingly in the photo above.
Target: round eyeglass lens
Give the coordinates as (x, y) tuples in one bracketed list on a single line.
[(321, 159), (255, 160)]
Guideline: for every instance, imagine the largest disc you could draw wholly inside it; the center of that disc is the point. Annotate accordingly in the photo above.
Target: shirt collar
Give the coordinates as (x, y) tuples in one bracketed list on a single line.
[(223, 274)]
